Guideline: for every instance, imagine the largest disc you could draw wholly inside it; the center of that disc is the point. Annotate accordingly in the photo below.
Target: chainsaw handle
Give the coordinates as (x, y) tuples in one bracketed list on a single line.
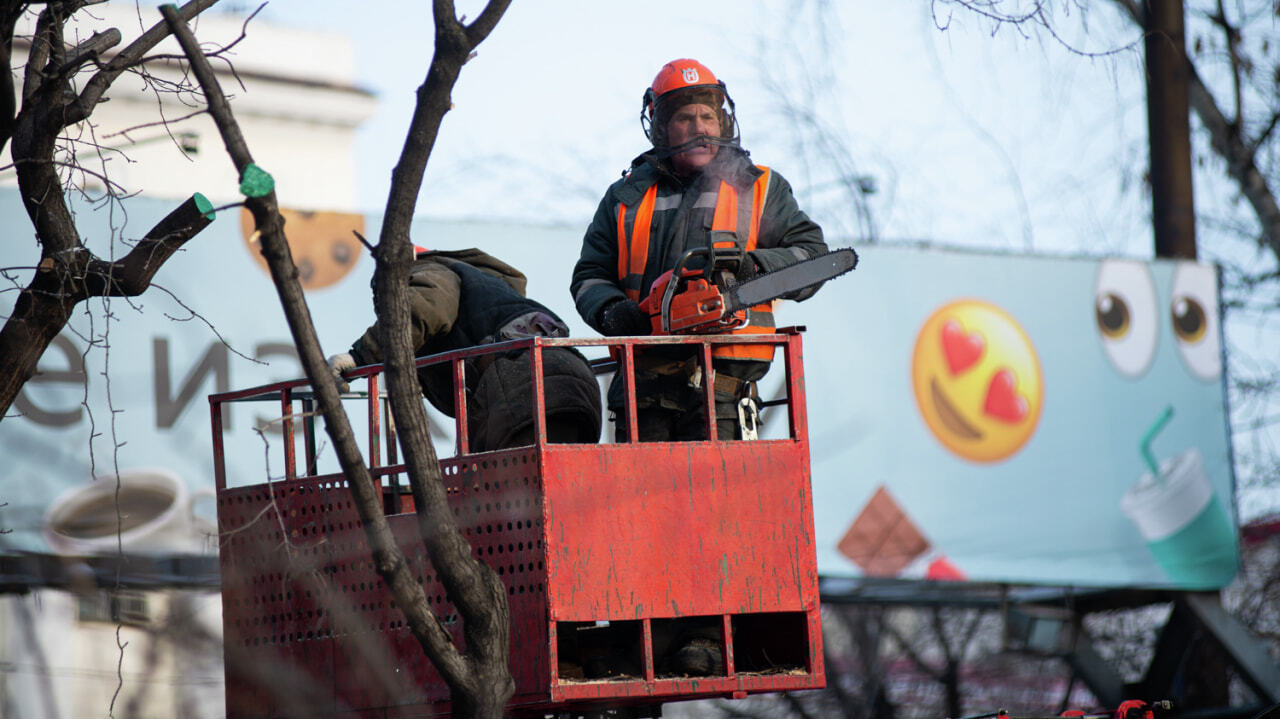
[(729, 259), (678, 273)]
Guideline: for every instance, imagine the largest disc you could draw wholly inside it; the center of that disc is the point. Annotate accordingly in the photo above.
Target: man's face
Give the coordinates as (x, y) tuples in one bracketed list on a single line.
[(687, 123)]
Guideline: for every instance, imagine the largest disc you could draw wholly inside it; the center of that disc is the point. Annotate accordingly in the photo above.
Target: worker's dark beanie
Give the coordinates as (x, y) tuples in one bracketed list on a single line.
[(671, 102)]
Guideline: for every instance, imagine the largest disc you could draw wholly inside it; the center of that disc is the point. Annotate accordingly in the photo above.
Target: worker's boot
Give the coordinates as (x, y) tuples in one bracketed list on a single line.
[(698, 656)]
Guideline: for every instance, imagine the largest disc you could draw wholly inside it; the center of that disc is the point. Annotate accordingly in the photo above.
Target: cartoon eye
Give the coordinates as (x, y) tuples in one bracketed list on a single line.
[(1189, 320), (1113, 316), (1193, 309), (1124, 308)]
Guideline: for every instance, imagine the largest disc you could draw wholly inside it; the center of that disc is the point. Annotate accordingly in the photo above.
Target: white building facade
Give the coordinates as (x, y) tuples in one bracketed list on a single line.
[(129, 648)]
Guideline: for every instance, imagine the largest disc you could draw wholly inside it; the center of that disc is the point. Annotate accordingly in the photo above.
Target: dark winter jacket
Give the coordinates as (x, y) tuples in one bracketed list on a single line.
[(466, 298), (786, 236)]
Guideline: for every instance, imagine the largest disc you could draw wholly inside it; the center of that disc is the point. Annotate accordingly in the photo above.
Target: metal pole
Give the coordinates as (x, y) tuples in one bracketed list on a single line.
[(1169, 125)]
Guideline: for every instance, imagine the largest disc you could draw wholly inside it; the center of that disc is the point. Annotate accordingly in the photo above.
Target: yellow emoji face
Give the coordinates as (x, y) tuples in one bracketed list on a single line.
[(977, 380)]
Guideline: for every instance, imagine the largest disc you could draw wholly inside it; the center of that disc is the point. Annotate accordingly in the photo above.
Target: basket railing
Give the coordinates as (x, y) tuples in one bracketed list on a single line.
[(296, 399)]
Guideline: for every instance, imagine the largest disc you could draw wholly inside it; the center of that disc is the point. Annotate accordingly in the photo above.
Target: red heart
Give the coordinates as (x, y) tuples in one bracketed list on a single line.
[(1003, 400), (962, 351)]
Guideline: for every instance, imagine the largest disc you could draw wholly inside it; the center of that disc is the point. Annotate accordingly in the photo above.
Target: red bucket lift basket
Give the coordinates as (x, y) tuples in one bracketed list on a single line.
[(609, 552)]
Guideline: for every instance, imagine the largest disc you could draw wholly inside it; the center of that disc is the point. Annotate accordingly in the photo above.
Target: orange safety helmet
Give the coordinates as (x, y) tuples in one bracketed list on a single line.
[(684, 78)]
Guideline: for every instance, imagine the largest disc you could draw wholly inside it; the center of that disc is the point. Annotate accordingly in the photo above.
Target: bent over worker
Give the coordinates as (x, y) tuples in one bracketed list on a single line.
[(695, 188), (465, 298)]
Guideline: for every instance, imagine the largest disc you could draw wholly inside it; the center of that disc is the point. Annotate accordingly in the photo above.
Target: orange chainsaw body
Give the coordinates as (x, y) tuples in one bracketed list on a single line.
[(697, 306)]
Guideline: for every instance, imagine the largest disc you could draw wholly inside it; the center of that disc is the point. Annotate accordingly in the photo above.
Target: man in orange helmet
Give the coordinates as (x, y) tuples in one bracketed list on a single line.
[(695, 188)]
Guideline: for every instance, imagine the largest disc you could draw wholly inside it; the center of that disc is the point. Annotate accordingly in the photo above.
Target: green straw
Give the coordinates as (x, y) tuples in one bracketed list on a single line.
[(1150, 435)]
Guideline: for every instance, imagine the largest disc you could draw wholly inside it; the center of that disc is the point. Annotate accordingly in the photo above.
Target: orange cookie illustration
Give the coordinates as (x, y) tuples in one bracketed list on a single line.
[(322, 244), (977, 380)]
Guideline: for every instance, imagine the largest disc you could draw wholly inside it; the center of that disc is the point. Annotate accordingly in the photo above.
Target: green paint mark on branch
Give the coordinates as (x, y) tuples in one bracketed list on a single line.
[(203, 205), (256, 182)]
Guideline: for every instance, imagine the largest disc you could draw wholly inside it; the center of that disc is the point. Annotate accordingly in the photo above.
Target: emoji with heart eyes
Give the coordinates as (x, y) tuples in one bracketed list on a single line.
[(977, 380)]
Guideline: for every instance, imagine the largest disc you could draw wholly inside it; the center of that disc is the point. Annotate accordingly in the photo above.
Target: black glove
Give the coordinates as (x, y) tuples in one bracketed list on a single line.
[(747, 268), (624, 318)]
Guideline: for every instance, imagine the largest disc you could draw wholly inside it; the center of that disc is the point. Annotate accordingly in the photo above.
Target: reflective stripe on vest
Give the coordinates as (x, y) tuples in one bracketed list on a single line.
[(633, 224), (633, 253)]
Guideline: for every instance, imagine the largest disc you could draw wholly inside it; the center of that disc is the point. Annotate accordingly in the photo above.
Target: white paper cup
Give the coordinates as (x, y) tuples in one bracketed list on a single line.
[(152, 512), (1187, 529)]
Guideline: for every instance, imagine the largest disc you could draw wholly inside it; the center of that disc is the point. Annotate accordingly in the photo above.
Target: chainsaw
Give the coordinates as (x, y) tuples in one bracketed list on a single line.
[(705, 297)]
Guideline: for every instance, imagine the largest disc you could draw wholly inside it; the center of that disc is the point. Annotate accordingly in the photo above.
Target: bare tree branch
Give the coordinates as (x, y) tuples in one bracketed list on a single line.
[(472, 587), (42, 43), (126, 59), (66, 278), (8, 103), (1232, 35), (483, 25), (91, 49)]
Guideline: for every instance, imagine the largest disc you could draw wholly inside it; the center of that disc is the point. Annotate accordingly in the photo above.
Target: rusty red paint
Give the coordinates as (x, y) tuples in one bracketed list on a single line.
[(374, 404), (730, 531), (286, 412)]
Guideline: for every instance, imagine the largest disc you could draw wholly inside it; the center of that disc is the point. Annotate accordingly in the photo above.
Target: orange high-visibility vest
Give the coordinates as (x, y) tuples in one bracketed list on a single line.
[(633, 253)]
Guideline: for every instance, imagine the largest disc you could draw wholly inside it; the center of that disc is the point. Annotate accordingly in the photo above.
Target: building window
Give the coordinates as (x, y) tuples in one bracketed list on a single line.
[(120, 606)]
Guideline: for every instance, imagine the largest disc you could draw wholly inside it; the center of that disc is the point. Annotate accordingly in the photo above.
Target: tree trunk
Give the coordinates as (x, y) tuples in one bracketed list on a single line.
[(480, 681)]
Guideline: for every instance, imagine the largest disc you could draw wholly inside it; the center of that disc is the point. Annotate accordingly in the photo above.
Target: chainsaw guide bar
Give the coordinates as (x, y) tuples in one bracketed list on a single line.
[(792, 278)]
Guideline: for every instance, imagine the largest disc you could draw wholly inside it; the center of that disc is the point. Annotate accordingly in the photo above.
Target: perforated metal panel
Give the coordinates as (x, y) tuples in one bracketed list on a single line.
[(301, 596)]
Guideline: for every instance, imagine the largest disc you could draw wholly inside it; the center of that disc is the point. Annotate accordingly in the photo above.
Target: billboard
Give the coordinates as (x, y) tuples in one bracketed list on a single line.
[(972, 416), (1021, 419)]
